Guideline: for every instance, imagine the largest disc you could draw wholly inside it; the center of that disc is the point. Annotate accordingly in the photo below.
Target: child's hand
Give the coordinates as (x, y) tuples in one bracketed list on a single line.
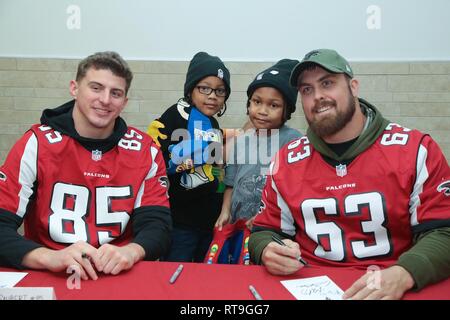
[(187, 164), (223, 219), (249, 222)]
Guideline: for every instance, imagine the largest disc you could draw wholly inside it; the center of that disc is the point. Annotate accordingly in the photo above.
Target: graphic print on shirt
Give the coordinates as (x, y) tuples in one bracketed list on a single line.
[(250, 189)]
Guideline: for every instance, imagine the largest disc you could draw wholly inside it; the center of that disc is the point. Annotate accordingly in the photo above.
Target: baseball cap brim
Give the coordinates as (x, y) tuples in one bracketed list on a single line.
[(299, 68)]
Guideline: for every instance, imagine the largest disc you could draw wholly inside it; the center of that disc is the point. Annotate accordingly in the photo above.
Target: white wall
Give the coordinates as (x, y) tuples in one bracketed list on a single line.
[(236, 30)]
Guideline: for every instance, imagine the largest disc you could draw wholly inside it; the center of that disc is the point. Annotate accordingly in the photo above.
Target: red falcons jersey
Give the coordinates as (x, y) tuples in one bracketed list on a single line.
[(67, 193), (364, 213)]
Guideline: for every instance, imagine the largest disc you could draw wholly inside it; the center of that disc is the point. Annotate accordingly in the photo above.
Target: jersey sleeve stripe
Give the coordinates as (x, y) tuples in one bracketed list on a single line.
[(287, 220), (154, 169), (422, 176), (151, 173), (27, 174)]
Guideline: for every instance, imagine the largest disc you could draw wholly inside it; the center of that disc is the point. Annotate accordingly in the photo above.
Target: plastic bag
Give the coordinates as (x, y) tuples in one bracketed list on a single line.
[(230, 245)]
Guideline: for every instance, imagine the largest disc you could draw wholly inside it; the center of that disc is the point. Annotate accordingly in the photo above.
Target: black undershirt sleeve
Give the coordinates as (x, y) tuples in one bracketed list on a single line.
[(13, 246), (151, 227)]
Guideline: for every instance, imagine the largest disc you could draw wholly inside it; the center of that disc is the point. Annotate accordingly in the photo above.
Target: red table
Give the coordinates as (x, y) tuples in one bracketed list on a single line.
[(150, 280)]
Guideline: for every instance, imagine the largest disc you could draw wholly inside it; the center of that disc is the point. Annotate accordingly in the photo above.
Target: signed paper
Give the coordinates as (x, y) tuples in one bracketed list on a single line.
[(27, 293), (9, 279), (316, 288)]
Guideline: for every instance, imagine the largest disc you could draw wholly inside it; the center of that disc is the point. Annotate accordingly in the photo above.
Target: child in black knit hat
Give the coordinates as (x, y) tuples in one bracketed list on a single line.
[(191, 155), (271, 100)]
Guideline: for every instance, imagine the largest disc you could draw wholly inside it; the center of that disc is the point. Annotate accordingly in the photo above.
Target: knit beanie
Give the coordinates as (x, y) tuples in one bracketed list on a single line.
[(204, 65), (277, 76)]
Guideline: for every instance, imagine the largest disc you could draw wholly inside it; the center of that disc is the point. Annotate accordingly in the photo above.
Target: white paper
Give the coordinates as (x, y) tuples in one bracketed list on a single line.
[(10, 279), (27, 293), (316, 288)]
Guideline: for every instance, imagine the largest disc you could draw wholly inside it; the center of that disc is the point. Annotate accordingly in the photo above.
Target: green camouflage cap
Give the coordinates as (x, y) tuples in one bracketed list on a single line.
[(327, 59)]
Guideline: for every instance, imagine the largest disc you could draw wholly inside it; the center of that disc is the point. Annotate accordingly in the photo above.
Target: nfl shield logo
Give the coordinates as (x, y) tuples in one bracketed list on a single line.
[(341, 170), (96, 155)]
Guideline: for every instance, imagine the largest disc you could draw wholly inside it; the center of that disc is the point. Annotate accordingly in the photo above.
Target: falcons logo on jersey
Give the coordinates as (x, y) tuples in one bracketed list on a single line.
[(164, 182), (262, 207), (444, 187)]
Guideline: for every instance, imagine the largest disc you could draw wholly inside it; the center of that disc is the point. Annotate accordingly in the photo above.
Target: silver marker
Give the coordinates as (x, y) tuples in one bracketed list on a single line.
[(175, 275), (255, 293)]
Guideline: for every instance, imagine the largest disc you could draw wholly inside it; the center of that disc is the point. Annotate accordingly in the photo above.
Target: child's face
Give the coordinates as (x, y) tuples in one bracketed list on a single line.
[(209, 104), (266, 108)]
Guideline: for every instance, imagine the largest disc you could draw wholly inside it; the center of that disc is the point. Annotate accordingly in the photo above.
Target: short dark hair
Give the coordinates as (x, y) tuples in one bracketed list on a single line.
[(108, 60)]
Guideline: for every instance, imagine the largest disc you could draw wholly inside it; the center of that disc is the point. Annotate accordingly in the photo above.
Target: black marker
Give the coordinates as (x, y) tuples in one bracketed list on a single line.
[(281, 243)]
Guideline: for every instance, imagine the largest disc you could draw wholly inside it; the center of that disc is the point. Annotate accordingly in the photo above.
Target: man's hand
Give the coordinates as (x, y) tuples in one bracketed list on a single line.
[(113, 259), (389, 284), (282, 260), (80, 254)]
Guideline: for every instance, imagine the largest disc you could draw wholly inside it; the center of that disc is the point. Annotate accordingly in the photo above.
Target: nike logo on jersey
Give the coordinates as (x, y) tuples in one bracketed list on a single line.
[(444, 187), (2, 176)]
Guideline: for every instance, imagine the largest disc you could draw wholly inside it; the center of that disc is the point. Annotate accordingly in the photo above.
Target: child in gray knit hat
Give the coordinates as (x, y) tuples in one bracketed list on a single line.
[(271, 100)]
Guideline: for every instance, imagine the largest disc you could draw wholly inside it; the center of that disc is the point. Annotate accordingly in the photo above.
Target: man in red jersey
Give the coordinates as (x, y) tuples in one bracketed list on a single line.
[(92, 192), (357, 191)]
